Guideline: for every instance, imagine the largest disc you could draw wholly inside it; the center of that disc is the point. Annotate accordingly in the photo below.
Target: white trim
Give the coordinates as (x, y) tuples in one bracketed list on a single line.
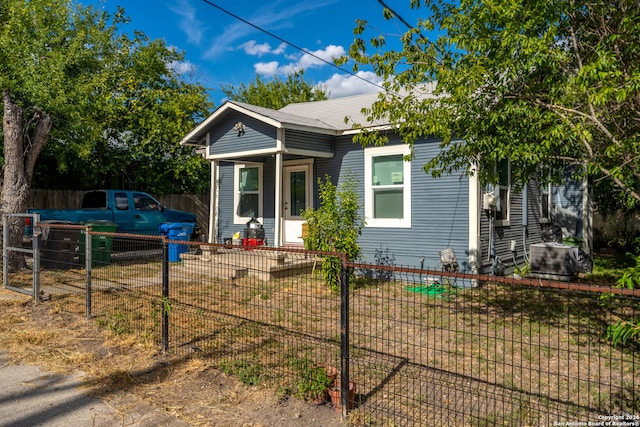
[(369, 154), (506, 222), (268, 152), (474, 220), (241, 154), (277, 233), (309, 153), (236, 191), (213, 203)]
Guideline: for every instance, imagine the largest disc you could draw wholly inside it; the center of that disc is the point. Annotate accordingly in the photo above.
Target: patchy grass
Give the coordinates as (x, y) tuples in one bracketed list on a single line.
[(608, 268)]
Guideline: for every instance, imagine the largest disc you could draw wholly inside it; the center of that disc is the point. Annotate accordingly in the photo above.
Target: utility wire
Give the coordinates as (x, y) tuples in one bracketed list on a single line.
[(251, 24)]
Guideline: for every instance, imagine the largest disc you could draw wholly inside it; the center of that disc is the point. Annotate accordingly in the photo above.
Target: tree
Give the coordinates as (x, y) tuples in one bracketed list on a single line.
[(548, 82), (276, 93), (115, 102), (76, 87)]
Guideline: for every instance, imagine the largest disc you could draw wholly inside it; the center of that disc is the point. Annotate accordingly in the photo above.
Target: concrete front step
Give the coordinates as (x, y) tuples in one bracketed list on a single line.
[(234, 265)]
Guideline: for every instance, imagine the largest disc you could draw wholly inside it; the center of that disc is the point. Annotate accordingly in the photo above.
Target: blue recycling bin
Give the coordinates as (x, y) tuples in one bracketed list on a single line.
[(176, 231)]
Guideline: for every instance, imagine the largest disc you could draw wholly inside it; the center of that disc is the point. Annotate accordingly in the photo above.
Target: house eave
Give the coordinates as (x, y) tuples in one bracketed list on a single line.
[(198, 135), (239, 155)]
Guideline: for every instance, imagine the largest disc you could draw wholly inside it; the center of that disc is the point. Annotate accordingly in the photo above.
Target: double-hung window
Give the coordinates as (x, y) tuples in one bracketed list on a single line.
[(387, 187), (248, 192)]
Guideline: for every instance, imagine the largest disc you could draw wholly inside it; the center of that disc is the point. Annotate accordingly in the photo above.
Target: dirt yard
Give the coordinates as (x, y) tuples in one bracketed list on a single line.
[(127, 374)]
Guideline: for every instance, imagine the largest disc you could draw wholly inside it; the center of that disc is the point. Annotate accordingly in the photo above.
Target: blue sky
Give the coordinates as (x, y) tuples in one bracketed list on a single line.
[(222, 50)]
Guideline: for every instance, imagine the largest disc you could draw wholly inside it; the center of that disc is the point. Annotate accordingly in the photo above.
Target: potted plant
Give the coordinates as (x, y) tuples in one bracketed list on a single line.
[(336, 395)]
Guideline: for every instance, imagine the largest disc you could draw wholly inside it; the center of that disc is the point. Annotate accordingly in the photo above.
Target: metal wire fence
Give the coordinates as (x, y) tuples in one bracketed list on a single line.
[(420, 347)]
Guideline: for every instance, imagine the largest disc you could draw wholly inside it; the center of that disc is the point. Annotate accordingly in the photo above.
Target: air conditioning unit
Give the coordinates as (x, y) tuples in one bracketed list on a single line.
[(551, 260)]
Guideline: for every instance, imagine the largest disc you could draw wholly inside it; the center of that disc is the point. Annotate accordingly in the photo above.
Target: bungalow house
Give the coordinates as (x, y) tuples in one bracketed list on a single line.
[(265, 164)]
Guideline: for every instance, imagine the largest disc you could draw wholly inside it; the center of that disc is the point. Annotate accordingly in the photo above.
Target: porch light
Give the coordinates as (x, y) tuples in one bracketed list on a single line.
[(239, 127)]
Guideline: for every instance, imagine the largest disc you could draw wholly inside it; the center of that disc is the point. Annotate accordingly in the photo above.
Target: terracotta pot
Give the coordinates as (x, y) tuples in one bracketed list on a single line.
[(334, 392), (332, 373)]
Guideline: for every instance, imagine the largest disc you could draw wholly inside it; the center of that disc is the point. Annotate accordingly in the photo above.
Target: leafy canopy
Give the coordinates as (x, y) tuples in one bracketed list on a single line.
[(117, 104), (276, 93), (551, 82)]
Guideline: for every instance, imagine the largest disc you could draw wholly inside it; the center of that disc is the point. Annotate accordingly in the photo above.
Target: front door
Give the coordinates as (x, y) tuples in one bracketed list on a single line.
[(297, 197)]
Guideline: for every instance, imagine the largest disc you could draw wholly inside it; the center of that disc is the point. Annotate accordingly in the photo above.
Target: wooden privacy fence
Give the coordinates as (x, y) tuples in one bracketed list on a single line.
[(67, 199)]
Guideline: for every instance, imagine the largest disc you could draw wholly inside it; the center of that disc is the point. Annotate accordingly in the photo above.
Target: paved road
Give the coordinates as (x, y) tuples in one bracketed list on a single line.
[(32, 397)]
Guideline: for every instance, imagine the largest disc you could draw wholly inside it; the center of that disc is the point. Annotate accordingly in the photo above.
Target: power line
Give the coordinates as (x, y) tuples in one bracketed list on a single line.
[(270, 34)]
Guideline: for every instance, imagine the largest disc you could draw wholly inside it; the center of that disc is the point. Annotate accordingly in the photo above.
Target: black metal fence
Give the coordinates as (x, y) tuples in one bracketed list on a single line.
[(419, 347)]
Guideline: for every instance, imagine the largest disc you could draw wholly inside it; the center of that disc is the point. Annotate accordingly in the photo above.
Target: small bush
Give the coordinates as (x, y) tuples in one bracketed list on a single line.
[(335, 226)]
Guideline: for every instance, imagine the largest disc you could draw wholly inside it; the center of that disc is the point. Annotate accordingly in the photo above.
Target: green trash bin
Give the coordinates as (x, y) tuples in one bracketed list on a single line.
[(100, 245)]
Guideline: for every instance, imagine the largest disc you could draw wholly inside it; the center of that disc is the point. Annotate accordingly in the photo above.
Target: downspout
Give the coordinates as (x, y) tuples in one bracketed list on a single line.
[(587, 218)]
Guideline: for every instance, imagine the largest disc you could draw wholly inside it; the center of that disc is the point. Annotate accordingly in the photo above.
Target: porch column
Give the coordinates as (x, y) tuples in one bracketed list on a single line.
[(213, 203), (278, 190)]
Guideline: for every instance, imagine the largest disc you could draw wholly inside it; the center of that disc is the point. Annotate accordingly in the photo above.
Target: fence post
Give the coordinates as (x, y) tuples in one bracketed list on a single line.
[(87, 263), (344, 338), (165, 294), (35, 247)]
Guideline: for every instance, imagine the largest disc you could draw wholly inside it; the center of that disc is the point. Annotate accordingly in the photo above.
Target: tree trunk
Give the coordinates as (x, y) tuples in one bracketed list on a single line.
[(23, 142)]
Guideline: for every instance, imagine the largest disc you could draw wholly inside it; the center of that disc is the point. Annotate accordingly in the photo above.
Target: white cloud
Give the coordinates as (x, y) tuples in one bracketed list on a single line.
[(266, 68), (189, 24), (254, 49), (312, 59), (183, 67), (339, 85)]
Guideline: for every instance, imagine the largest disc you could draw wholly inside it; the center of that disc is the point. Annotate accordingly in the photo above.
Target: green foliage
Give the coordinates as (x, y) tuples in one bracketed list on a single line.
[(624, 331), (335, 226), (118, 104), (312, 379), (248, 372), (276, 93), (631, 276), (544, 82)]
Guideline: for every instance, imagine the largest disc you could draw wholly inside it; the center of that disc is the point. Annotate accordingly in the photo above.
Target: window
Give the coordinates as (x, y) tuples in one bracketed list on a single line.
[(145, 203), (387, 187), (248, 192), (503, 191), (122, 201)]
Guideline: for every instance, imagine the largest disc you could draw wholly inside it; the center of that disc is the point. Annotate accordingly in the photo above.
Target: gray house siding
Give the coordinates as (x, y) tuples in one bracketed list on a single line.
[(524, 229), (226, 226), (295, 139), (440, 211), (257, 136)]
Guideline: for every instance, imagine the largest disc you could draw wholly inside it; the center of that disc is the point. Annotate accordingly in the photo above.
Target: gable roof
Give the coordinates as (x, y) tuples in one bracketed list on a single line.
[(276, 118), (326, 117), (333, 111)]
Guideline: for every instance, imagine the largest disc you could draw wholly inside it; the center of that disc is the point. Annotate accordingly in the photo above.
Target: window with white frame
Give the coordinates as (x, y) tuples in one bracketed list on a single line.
[(503, 191), (387, 187), (248, 192)]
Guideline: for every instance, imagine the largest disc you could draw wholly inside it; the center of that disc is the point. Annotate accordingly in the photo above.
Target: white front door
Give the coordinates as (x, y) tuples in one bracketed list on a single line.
[(297, 197)]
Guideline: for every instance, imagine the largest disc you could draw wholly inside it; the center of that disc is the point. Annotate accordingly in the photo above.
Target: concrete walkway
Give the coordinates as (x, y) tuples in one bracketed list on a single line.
[(32, 397)]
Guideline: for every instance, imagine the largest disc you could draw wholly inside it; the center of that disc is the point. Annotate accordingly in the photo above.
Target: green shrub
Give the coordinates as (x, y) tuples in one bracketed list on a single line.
[(335, 226)]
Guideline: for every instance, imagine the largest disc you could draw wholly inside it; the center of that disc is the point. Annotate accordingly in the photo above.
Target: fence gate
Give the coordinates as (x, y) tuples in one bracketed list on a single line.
[(21, 281)]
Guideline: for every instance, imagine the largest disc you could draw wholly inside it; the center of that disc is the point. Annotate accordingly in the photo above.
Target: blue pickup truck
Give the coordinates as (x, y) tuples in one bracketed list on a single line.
[(133, 212)]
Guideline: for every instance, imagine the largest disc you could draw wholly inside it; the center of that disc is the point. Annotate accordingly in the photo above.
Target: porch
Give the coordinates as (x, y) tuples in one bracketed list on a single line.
[(230, 263)]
